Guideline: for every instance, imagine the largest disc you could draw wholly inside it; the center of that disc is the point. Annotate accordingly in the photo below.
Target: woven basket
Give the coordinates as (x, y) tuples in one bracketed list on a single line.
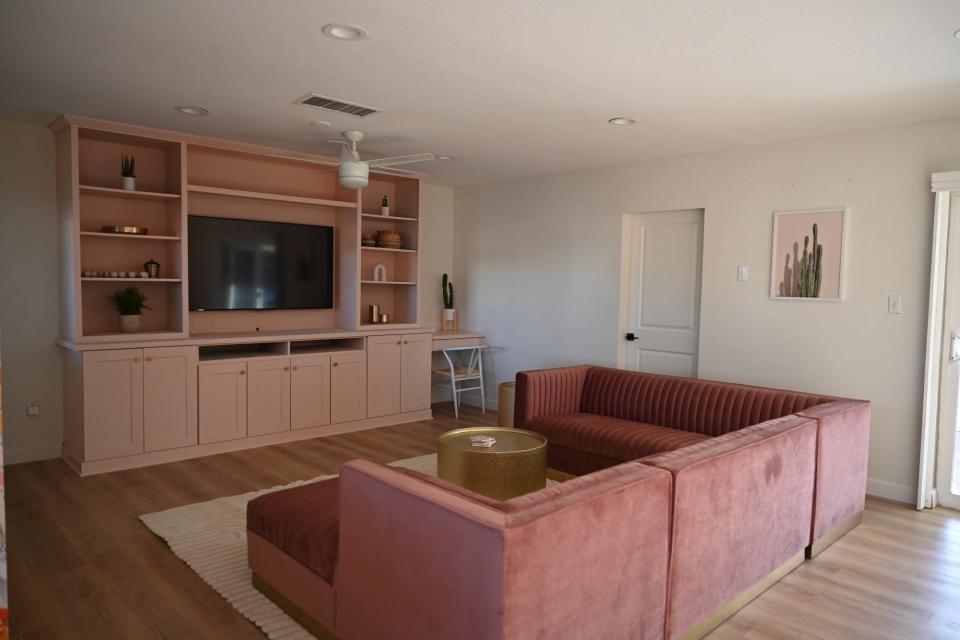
[(389, 239)]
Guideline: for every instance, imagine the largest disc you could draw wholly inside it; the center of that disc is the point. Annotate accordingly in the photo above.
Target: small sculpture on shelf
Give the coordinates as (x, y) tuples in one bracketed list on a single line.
[(368, 241), (448, 321), (380, 273), (128, 165), (130, 302), (384, 207)]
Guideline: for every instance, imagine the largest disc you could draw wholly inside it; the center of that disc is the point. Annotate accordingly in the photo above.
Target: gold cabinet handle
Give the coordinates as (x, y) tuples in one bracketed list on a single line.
[(286, 368), (295, 368), (336, 364), (398, 342), (136, 359), (405, 342), (243, 373), (149, 358)]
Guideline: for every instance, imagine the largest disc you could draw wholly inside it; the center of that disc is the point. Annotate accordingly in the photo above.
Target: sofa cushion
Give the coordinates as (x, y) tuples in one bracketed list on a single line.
[(702, 406), (303, 522), (611, 437)]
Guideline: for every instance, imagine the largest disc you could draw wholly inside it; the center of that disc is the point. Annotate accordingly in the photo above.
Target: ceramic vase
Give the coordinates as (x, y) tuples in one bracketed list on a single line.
[(129, 183)]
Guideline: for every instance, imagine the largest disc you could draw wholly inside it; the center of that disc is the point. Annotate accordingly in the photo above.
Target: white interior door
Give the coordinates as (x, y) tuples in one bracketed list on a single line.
[(663, 318), (947, 480)]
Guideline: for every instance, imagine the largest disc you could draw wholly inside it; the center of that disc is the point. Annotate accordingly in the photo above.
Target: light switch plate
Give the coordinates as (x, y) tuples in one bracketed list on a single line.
[(895, 304), (33, 408), (742, 272)]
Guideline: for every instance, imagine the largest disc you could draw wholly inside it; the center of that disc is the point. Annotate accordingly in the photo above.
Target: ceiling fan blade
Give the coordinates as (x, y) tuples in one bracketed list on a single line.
[(395, 160), (329, 163), (394, 172)]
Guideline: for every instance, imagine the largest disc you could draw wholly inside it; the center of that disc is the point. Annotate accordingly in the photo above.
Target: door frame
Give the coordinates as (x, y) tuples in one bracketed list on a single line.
[(944, 185), (623, 321)]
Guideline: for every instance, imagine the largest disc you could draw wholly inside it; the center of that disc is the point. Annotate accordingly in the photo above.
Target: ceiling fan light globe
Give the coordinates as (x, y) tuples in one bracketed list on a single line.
[(354, 175)]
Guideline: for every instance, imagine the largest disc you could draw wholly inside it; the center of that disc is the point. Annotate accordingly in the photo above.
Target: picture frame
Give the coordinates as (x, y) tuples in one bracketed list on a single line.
[(811, 274)]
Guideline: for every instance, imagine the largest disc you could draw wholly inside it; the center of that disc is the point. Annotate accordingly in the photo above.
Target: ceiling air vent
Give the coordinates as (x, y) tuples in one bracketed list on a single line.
[(332, 104)]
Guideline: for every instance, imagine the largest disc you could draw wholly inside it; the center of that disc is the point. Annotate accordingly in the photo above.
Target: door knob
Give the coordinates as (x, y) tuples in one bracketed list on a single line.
[(631, 337)]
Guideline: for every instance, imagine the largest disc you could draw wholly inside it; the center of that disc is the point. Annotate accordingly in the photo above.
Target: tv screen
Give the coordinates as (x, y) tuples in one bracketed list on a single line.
[(247, 264)]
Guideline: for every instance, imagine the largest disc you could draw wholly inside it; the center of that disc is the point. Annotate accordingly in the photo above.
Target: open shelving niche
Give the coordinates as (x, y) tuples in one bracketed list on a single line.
[(97, 201), (180, 175), (399, 294)]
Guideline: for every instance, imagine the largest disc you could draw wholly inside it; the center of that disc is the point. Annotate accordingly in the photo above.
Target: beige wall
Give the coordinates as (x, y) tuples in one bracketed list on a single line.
[(436, 254), (29, 292), (538, 264)]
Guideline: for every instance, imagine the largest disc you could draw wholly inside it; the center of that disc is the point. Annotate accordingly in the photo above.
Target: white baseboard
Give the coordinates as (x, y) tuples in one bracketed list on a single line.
[(891, 491), (33, 453)]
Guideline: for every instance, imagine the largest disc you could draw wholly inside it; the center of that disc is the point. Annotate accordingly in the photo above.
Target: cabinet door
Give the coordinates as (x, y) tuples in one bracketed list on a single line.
[(415, 372), (112, 403), (169, 397), (348, 387), (383, 375), (222, 401), (309, 392), (268, 396)]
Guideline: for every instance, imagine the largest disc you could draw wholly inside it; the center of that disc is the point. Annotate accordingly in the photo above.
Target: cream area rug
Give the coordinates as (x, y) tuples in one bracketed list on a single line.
[(211, 537)]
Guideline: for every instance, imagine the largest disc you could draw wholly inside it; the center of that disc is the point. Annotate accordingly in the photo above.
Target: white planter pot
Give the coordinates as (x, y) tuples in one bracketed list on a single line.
[(385, 211), (130, 324), (129, 184), (449, 314)]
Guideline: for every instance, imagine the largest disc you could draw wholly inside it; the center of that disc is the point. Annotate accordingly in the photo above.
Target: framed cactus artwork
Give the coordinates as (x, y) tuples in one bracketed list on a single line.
[(808, 248)]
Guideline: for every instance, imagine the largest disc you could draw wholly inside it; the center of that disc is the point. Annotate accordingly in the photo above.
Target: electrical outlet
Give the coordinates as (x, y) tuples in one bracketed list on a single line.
[(895, 304), (742, 272), (33, 408)]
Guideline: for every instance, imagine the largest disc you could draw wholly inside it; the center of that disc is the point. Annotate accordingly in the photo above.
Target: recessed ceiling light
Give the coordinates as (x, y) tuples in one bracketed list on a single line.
[(621, 121), (956, 34), (444, 157), (192, 110), (345, 32)]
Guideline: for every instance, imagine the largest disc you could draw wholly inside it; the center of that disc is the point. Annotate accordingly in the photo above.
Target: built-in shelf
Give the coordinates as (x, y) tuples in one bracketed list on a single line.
[(257, 195), (387, 282), (388, 249), (131, 279), (124, 193), (126, 236), (138, 336), (377, 216)]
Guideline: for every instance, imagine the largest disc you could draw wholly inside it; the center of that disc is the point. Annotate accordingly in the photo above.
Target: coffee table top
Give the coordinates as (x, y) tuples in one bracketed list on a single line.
[(508, 440)]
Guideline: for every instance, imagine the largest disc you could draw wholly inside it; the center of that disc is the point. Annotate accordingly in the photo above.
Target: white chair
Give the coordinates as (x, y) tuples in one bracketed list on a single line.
[(464, 365)]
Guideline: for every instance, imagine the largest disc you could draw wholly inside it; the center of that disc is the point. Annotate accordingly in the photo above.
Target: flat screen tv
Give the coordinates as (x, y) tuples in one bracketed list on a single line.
[(247, 264)]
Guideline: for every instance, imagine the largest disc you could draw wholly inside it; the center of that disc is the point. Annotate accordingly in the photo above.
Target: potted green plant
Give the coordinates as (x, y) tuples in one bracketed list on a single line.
[(449, 320), (129, 303), (128, 166)]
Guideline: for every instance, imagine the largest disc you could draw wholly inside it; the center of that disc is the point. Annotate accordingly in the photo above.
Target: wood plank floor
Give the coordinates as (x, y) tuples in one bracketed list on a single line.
[(82, 566)]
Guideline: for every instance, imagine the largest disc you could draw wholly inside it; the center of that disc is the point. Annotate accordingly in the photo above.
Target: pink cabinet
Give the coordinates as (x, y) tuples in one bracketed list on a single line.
[(416, 353), (169, 398), (309, 391), (383, 375), (268, 396), (222, 390), (348, 387), (112, 403)]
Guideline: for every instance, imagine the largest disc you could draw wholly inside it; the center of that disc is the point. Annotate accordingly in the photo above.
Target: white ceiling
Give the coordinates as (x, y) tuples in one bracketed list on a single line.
[(510, 88)]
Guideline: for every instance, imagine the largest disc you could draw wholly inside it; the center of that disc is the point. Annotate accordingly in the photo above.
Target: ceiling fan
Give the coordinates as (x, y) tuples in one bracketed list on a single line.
[(355, 173)]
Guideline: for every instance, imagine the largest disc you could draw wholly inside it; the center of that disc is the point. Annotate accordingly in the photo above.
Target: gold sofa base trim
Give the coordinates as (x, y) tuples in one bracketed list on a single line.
[(719, 616), (292, 610), (833, 535)]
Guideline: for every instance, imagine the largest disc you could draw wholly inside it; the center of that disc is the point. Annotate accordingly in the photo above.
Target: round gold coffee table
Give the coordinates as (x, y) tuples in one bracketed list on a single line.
[(514, 464)]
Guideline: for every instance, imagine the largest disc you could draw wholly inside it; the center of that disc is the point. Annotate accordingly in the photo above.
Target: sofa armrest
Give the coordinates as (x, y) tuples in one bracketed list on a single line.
[(548, 391), (420, 560), (843, 443)]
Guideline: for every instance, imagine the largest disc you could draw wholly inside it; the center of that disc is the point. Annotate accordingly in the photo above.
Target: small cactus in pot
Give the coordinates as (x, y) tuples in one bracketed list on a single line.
[(449, 319)]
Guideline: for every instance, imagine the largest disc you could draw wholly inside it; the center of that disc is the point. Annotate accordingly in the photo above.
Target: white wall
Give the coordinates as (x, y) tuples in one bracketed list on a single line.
[(436, 255), (538, 264), (29, 292)]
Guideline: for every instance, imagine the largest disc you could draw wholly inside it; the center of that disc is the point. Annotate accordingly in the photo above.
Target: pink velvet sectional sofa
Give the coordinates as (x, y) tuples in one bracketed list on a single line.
[(691, 498)]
